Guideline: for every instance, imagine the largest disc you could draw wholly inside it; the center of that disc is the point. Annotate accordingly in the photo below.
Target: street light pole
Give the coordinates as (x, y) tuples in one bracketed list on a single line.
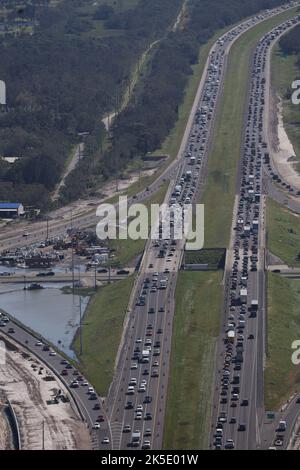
[(80, 327)]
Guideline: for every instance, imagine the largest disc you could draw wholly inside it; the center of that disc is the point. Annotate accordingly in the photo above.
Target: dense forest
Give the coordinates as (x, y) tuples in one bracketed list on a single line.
[(62, 79), (66, 75)]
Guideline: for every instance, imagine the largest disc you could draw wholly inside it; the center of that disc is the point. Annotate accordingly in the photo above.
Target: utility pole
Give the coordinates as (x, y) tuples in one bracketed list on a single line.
[(80, 325), (73, 276), (95, 278), (47, 234), (43, 436)]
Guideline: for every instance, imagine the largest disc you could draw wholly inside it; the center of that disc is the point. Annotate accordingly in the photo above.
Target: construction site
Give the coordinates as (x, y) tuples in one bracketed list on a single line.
[(36, 411)]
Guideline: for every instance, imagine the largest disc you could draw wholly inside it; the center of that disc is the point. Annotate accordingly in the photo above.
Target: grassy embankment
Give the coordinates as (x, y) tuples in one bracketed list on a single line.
[(282, 377), (101, 333), (283, 233)]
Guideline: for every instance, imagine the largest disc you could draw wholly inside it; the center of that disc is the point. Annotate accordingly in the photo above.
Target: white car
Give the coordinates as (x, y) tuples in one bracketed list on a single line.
[(134, 366), (105, 440), (96, 426), (52, 353), (138, 415), (39, 343), (139, 408)]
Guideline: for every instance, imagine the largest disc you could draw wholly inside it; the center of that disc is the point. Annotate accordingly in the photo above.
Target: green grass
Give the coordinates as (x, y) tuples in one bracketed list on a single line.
[(195, 331), (282, 378), (284, 72), (215, 258), (220, 190), (127, 250), (283, 233), (101, 333)]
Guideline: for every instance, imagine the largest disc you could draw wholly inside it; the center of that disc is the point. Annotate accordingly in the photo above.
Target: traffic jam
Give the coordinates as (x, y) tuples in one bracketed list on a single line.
[(243, 305)]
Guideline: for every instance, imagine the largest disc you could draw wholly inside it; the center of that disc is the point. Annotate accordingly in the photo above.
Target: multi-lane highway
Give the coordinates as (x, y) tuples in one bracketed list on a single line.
[(137, 398), (238, 413), (88, 404)]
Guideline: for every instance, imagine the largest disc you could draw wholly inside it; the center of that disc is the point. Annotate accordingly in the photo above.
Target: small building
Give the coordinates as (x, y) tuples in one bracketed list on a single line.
[(11, 210)]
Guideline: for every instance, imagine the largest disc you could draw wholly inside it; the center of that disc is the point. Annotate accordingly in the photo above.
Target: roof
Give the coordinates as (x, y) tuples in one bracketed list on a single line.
[(10, 205)]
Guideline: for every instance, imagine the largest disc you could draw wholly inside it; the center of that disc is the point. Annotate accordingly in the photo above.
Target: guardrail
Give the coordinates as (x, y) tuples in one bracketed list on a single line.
[(15, 425)]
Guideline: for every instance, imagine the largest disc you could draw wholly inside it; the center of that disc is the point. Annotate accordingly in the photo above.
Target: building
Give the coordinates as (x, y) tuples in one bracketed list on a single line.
[(10, 210)]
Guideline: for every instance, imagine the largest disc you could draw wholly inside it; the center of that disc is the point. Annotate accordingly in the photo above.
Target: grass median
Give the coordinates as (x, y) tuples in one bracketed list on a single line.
[(282, 377), (128, 250), (195, 331), (101, 333), (223, 161)]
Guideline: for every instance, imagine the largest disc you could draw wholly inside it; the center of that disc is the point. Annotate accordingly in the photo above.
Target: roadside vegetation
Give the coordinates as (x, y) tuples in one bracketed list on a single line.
[(90, 72), (101, 333), (195, 332), (282, 377), (283, 233), (127, 250)]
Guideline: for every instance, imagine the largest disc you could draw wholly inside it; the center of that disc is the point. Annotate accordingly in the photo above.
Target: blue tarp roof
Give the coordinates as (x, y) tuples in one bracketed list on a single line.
[(9, 205)]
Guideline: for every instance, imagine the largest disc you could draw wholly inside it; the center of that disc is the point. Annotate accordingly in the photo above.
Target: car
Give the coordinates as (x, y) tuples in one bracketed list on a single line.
[(147, 399), (242, 427), (52, 353), (129, 405), (138, 415), (229, 444), (232, 420), (127, 428), (11, 330), (100, 419), (245, 402), (251, 336), (134, 366), (96, 406), (148, 417), (146, 445), (39, 343), (96, 426), (105, 441), (148, 432)]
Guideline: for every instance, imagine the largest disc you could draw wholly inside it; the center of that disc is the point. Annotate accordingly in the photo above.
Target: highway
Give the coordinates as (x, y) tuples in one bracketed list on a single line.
[(238, 414), (57, 363), (137, 397)]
